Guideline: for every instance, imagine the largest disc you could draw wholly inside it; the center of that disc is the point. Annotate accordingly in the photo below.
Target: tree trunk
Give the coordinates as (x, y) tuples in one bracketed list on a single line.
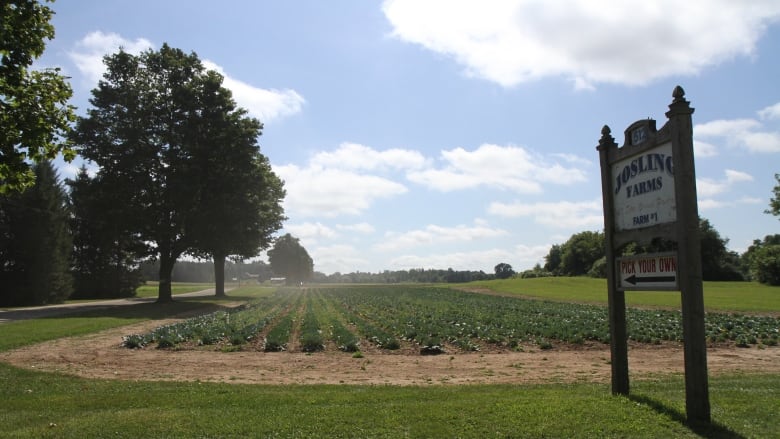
[(219, 275), (164, 294)]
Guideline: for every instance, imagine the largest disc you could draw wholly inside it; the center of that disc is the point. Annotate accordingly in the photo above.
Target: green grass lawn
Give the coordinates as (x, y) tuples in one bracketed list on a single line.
[(52, 405), (149, 289), (718, 296)]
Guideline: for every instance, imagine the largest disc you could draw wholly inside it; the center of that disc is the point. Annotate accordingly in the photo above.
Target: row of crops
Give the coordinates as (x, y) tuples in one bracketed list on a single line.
[(432, 320)]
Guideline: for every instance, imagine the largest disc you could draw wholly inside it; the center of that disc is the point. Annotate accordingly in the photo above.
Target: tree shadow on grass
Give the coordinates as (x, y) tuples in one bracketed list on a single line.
[(712, 430)]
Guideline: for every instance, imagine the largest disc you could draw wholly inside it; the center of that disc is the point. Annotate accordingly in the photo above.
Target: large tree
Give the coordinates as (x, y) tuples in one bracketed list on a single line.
[(504, 271), (240, 196), (717, 262), (762, 260), (104, 254), (35, 242), (774, 202), (288, 258), (580, 252), (34, 113), (143, 132)]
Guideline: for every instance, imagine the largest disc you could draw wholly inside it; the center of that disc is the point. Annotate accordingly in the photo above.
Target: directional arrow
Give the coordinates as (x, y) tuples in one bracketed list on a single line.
[(634, 280)]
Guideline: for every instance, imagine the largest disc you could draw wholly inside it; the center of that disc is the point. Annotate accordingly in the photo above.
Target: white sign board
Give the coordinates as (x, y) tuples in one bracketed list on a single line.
[(643, 189), (648, 272)]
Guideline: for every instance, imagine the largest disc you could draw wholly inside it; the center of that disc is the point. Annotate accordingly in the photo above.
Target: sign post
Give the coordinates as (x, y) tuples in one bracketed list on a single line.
[(649, 194)]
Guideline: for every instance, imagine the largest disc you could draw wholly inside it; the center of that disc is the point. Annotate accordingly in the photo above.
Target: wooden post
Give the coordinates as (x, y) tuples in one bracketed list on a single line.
[(697, 401), (617, 299)]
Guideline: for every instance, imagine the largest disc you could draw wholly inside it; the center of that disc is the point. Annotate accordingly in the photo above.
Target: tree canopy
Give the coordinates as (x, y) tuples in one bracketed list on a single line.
[(289, 259), (584, 253), (239, 194), (503, 271), (34, 113), (172, 145), (104, 261), (762, 260), (35, 243), (774, 202)]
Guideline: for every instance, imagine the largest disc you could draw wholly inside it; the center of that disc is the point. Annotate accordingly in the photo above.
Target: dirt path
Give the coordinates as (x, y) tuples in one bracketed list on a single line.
[(101, 356)]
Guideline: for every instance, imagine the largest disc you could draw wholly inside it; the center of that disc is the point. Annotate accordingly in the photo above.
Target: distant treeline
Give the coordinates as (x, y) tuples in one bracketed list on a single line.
[(401, 276), (189, 271)]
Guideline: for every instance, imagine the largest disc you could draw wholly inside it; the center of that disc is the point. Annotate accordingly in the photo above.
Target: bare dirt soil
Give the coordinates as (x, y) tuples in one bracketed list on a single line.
[(102, 356)]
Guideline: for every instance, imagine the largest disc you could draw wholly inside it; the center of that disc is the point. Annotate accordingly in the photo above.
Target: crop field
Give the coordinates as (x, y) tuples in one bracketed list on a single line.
[(430, 320)]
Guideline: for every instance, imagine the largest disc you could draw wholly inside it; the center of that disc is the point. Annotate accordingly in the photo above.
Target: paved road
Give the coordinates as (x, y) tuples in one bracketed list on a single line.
[(36, 312)]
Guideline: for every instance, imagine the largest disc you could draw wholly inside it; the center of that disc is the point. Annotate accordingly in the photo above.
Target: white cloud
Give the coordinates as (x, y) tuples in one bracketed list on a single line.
[(771, 112), (709, 204), (585, 41), (505, 167), (751, 200), (265, 104), (703, 149), (563, 214), (707, 187), (762, 142), (363, 228), (528, 256), (433, 234), (311, 232), (359, 157), (338, 258), (741, 133), (89, 52), (733, 176), (314, 191)]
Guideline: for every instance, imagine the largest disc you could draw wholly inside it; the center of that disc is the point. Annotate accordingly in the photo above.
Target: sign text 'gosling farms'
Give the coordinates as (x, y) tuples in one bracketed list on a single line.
[(643, 188)]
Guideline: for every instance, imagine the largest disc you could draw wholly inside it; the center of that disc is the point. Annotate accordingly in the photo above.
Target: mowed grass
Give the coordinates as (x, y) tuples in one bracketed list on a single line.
[(37, 404), (718, 296), (53, 405), (150, 289), (24, 332)]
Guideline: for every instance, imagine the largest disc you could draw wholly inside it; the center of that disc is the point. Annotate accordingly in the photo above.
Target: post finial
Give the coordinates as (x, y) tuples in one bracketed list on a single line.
[(678, 94)]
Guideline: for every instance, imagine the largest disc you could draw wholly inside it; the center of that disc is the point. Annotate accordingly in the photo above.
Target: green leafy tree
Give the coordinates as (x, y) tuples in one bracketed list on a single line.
[(104, 262), (239, 195), (35, 242), (504, 271), (34, 113), (144, 130), (288, 258), (762, 260), (580, 252), (552, 262), (774, 202), (717, 262)]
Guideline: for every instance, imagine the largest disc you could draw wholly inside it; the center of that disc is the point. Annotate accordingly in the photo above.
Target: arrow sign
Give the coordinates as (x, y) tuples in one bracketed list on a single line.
[(634, 280), (648, 272)]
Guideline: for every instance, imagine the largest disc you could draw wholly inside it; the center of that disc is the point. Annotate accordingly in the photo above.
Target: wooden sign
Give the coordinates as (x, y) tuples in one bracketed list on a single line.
[(649, 194)]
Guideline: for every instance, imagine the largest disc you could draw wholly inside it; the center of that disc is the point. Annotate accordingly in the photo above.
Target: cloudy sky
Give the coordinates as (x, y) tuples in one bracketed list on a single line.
[(462, 134)]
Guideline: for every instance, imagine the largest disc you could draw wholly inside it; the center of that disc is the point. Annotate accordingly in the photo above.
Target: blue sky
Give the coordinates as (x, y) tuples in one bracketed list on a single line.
[(462, 134)]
